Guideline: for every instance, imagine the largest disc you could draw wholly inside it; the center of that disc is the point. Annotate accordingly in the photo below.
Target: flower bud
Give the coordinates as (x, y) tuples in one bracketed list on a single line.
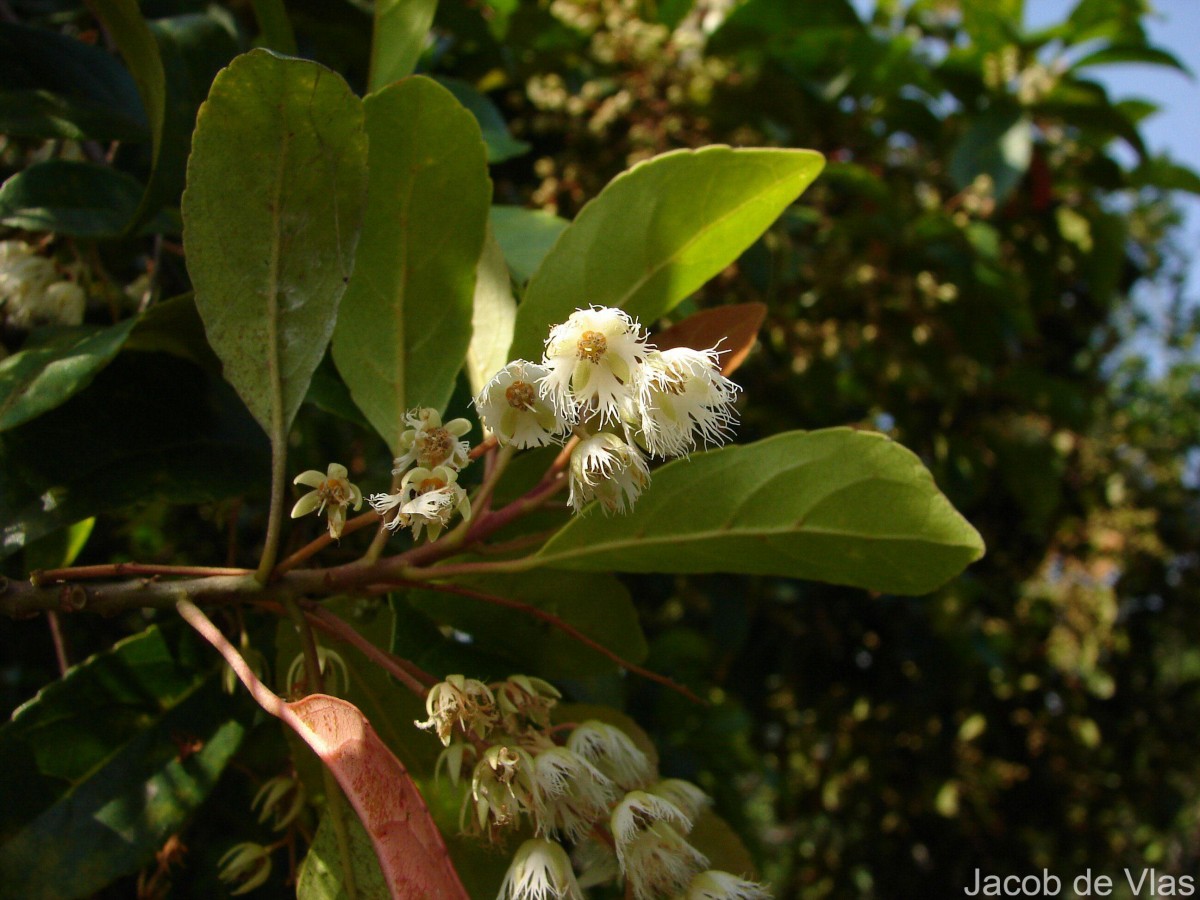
[(540, 870)]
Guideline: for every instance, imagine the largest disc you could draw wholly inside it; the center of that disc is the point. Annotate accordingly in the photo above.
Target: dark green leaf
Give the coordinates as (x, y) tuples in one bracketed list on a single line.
[(405, 325), (274, 25), (321, 875), (94, 779), (659, 231), (501, 145), (1160, 172), (150, 425), (80, 199), (52, 85), (837, 505), (399, 37), (1131, 53), (271, 218), (597, 605), (998, 144), (39, 379), (174, 326)]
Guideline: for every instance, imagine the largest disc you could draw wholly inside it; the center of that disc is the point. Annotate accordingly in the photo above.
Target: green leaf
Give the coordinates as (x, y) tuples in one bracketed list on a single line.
[(398, 38), (174, 326), (321, 876), (36, 380), (1115, 54), (1160, 172), (501, 145), (150, 425), (599, 606), (133, 37), (495, 312), (52, 85), (80, 199), (525, 236), (659, 231), (837, 505), (271, 218), (273, 23), (405, 324), (92, 773), (998, 144)]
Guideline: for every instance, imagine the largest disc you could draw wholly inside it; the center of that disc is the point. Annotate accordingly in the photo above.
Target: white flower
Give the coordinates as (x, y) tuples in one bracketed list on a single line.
[(430, 444), (33, 290), (714, 885), (659, 863), (540, 870), (427, 498), (611, 751), (605, 468), (636, 812), (511, 405), (573, 794), (331, 490), (592, 360), (464, 701), (684, 398), (502, 786), (683, 794)]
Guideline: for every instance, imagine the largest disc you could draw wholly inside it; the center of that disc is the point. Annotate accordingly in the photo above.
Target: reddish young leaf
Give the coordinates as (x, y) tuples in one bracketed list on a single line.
[(735, 328), (412, 854)]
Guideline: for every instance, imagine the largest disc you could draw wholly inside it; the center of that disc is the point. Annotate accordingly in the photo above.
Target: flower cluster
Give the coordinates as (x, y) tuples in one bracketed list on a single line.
[(601, 379), (596, 792), (33, 291), (429, 494)]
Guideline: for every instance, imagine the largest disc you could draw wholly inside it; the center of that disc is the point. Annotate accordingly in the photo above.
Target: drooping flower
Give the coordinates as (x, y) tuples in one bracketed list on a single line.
[(683, 399), (525, 699), (502, 787), (428, 498), (603, 467), (591, 361), (511, 405), (332, 491), (467, 702), (540, 870), (714, 885), (611, 751), (573, 794), (690, 800), (430, 444), (658, 862), (636, 812)]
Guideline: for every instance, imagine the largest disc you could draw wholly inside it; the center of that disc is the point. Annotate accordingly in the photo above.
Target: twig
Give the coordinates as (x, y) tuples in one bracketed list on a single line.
[(315, 546), (483, 447), (122, 569), (410, 675), (565, 627), (60, 644)]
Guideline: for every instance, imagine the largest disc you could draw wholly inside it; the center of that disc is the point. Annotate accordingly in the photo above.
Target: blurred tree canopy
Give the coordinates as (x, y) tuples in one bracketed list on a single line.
[(964, 277)]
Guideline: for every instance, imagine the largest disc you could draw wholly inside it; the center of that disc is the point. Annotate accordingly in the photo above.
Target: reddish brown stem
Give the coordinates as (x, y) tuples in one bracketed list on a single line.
[(60, 643), (567, 629), (315, 546), (117, 570), (411, 676), (480, 449)]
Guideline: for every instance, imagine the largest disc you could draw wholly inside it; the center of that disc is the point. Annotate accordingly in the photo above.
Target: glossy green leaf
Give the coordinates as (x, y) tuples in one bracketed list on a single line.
[(837, 505), (597, 605), (92, 771), (52, 85), (321, 876), (501, 145), (59, 549), (998, 144), (398, 39), (41, 378), (659, 231), (271, 218), (525, 236), (495, 312), (405, 325), (186, 440)]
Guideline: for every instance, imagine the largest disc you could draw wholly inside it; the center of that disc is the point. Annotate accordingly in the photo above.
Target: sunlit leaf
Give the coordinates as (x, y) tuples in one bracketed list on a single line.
[(405, 325), (495, 312), (659, 231), (271, 217), (398, 39), (837, 505)]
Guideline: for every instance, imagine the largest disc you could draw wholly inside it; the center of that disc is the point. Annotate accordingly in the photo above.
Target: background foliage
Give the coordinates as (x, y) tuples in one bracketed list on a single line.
[(961, 277)]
